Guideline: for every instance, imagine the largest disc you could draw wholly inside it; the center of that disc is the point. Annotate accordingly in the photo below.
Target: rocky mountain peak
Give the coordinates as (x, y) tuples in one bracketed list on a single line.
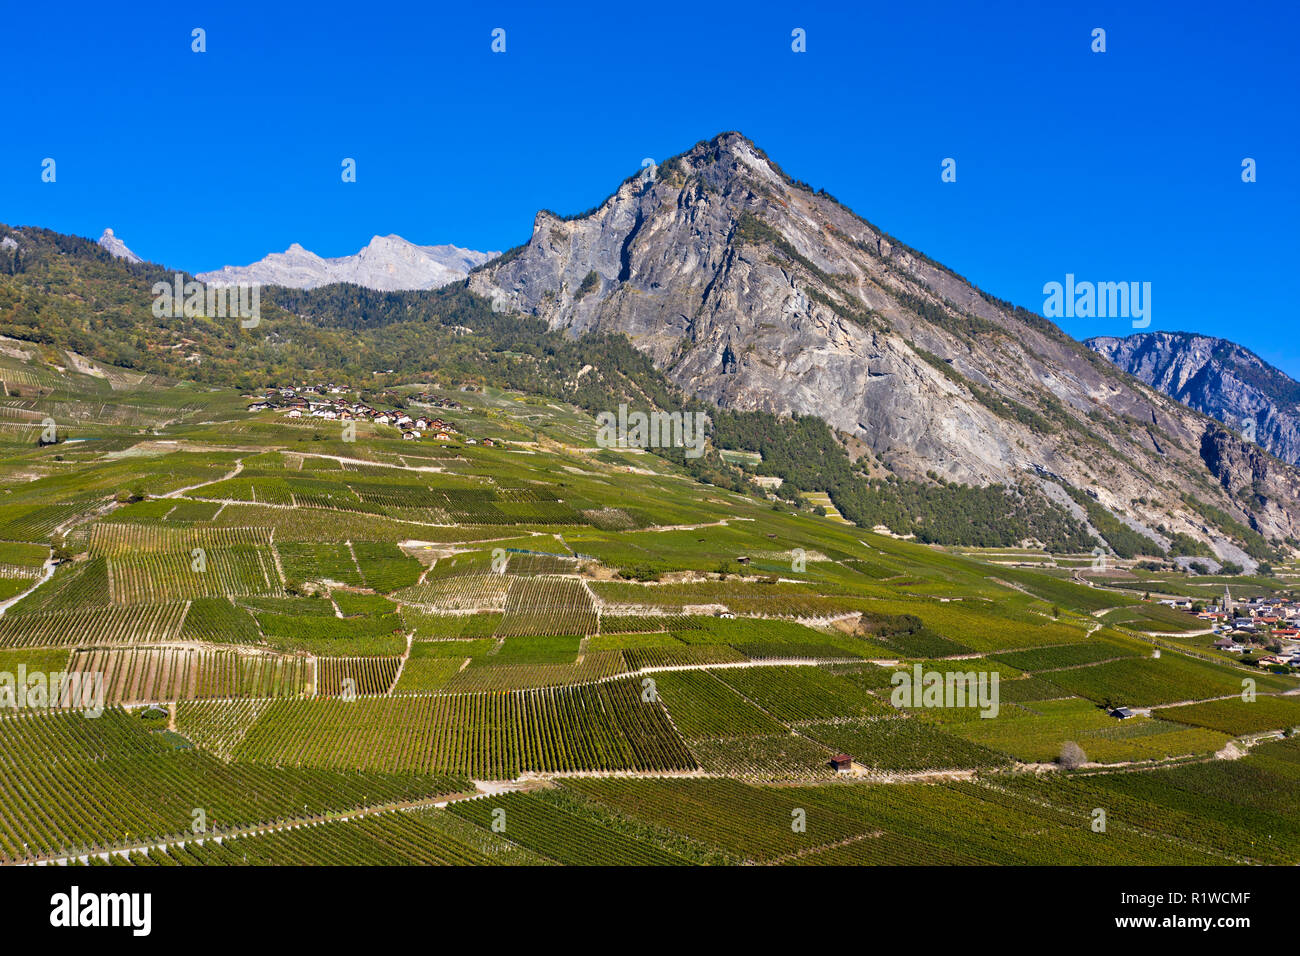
[(754, 292), (117, 247)]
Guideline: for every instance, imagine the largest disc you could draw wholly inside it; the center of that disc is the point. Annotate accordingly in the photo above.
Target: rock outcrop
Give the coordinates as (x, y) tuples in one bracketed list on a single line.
[(117, 247)]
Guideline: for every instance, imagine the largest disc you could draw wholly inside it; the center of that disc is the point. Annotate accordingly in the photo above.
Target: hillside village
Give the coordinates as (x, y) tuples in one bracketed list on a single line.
[(1251, 625), (330, 402)]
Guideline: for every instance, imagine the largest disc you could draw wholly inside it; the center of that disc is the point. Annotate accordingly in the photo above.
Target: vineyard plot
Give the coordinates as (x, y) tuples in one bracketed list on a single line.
[(547, 606), (568, 837), (168, 575), (604, 726), (461, 592), (112, 539), (144, 624), (137, 675), (345, 676), (122, 779)]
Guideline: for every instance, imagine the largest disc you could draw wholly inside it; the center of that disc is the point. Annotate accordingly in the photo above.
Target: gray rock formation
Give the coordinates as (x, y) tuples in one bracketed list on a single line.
[(1217, 377), (754, 292), (388, 263), (117, 247)]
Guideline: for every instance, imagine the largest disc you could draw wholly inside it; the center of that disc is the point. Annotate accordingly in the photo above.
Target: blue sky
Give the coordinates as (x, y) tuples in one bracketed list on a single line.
[(1122, 166)]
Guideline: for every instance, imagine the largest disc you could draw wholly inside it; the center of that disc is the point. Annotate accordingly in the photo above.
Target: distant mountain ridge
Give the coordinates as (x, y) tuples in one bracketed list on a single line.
[(1218, 378), (386, 264)]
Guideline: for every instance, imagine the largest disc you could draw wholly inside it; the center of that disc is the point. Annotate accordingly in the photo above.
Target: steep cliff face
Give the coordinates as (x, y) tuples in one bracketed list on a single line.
[(1217, 377), (756, 293), (1266, 487)]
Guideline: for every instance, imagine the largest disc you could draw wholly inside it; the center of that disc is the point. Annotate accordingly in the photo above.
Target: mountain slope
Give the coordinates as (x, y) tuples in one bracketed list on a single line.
[(753, 292), (387, 263), (1216, 377), (957, 418)]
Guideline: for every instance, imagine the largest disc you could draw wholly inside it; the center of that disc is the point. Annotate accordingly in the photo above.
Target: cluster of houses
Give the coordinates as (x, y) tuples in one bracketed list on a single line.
[(327, 402), (1244, 625), (437, 401)]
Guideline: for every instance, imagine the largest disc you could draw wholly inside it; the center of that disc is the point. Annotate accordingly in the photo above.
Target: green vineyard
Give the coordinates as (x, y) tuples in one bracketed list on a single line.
[(382, 652), (603, 727)]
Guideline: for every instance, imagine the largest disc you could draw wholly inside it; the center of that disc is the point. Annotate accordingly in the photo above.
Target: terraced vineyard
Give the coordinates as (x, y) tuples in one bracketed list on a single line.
[(547, 605), (591, 660), (603, 727), (141, 675), (120, 779), (390, 839), (343, 676), (104, 625), (166, 576), (112, 539)]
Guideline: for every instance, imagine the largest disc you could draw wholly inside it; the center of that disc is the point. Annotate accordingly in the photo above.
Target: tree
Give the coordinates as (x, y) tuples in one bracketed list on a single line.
[(1072, 756)]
